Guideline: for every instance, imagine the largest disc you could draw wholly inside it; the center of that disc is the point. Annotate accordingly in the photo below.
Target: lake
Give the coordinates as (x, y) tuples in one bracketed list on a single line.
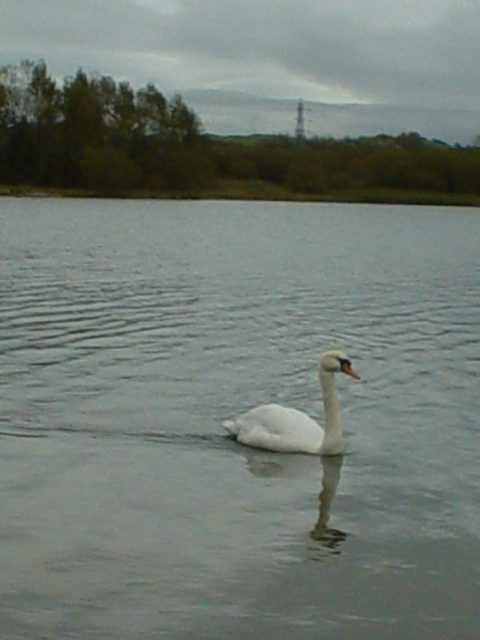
[(130, 330)]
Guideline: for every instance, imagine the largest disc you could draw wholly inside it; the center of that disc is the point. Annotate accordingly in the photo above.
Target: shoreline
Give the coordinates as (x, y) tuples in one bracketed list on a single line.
[(256, 191)]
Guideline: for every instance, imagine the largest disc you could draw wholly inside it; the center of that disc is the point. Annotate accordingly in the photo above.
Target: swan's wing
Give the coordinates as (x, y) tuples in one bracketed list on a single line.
[(277, 428)]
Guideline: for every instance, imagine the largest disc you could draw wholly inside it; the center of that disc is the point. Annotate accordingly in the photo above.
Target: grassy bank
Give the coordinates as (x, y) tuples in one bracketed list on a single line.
[(257, 190)]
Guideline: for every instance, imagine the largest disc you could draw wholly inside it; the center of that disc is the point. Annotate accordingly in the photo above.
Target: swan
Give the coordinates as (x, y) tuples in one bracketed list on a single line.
[(287, 430)]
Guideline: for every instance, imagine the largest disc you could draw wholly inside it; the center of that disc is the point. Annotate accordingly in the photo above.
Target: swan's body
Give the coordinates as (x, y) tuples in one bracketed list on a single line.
[(283, 429)]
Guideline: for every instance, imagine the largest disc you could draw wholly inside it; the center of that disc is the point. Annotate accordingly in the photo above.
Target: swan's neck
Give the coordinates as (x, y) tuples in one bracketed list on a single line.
[(332, 443)]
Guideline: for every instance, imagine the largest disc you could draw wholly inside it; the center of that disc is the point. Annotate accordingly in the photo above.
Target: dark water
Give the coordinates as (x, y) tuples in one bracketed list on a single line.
[(130, 330)]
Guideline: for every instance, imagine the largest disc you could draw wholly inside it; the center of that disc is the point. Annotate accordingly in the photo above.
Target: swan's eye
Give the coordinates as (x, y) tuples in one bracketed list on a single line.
[(344, 361)]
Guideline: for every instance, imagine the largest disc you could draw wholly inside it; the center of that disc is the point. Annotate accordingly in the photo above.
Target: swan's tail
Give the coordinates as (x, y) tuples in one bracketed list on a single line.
[(232, 428)]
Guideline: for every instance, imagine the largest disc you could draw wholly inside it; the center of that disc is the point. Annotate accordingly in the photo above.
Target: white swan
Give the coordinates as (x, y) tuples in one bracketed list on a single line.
[(283, 429)]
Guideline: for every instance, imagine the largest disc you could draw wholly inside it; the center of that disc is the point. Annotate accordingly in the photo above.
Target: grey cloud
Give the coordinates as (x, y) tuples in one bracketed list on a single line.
[(378, 61), (106, 25), (414, 53)]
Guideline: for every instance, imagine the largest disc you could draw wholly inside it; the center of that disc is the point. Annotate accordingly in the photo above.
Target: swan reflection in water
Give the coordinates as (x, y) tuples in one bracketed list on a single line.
[(321, 532), (267, 465)]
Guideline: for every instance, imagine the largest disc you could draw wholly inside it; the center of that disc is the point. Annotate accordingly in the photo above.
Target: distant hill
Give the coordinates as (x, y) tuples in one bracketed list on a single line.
[(231, 113)]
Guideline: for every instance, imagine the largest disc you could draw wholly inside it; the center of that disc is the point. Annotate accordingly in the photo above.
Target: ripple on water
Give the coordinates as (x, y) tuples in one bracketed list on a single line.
[(129, 332)]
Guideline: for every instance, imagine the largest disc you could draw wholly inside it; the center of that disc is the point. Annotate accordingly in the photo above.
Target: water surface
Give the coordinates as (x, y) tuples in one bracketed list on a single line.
[(130, 330)]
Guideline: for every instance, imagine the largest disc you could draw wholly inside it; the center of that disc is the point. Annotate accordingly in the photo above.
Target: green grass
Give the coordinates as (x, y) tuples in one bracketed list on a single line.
[(259, 190)]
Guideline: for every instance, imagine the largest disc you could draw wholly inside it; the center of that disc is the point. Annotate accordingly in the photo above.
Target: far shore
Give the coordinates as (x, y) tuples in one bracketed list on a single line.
[(255, 190)]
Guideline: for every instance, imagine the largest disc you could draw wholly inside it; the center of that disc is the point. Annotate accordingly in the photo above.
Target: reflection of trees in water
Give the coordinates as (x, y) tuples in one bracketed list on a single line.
[(328, 537)]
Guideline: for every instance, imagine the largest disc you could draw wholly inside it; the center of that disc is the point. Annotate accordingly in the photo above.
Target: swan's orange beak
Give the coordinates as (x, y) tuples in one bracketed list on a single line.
[(347, 368)]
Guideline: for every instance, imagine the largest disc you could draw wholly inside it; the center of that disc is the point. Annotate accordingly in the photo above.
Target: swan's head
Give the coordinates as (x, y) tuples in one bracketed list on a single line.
[(335, 361)]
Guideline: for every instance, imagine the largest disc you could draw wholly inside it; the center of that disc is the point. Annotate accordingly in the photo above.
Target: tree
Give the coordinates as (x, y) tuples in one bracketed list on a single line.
[(126, 121), (3, 132), (183, 124), (29, 115), (306, 173), (46, 101), (45, 98), (152, 112), (83, 123), (16, 80), (272, 160), (20, 154), (108, 170)]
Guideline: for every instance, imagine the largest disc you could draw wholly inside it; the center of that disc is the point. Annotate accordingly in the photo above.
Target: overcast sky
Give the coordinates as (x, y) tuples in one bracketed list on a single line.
[(403, 53)]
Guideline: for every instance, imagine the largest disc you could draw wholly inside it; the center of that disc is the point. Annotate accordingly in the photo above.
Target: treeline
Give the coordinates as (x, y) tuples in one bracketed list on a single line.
[(95, 134), (98, 135), (407, 163)]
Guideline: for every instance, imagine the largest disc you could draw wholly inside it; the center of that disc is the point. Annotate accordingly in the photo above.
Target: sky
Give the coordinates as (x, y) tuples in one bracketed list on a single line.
[(421, 56)]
